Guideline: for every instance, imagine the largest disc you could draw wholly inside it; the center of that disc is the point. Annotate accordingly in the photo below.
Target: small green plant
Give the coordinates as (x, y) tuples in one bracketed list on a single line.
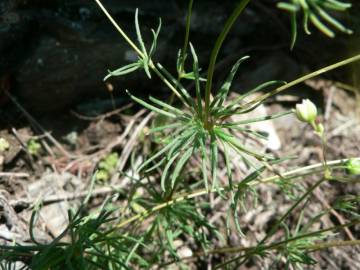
[(164, 206), (90, 246), (33, 147), (107, 167)]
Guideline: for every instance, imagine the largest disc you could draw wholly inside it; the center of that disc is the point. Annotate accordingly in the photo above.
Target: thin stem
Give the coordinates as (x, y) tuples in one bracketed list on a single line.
[(168, 84), (258, 248), (304, 78), (201, 192), (138, 51), (314, 247), (298, 237), (229, 23), (330, 244), (122, 33)]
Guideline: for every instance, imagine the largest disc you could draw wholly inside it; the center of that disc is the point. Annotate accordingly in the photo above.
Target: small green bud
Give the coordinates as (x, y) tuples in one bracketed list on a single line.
[(102, 175), (353, 166), (306, 111), (319, 129), (33, 147)]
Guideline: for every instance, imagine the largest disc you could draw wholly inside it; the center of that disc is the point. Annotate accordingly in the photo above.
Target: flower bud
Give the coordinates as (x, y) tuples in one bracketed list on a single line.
[(353, 166), (319, 129), (306, 111)]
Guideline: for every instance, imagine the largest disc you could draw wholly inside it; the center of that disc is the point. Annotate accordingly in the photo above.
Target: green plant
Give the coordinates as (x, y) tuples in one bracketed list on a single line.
[(163, 210), (90, 246), (33, 147), (107, 167)]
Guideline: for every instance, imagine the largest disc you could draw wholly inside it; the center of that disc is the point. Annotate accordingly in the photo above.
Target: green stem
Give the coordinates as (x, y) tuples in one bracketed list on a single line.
[(279, 244), (302, 79), (138, 51), (330, 244), (122, 33), (306, 235), (258, 248), (229, 23), (168, 84)]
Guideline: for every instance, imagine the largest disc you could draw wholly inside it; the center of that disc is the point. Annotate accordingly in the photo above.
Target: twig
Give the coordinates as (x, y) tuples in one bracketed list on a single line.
[(101, 153), (130, 144), (329, 102), (37, 126), (23, 146), (336, 131), (66, 197), (12, 174), (102, 116)]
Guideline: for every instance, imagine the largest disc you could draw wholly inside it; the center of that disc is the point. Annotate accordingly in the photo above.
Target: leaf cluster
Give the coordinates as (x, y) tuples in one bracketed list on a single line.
[(320, 13)]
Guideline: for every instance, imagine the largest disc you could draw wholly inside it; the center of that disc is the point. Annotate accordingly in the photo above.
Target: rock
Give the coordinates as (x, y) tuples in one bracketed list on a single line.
[(58, 52), (9, 154), (54, 216)]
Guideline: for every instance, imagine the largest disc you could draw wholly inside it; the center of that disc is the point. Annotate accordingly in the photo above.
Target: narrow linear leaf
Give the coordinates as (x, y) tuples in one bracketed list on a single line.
[(239, 146), (158, 154), (260, 87), (214, 158), (151, 107), (166, 170), (224, 89), (167, 106), (180, 165), (257, 119), (228, 164), (322, 27), (184, 93), (306, 21), (333, 21), (197, 80), (138, 32), (155, 38), (337, 5), (123, 70), (204, 160), (156, 165), (185, 140), (293, 30), (164, 127)]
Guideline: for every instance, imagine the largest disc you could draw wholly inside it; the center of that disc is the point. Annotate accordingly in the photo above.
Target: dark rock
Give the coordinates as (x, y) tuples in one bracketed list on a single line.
[(59, 51)]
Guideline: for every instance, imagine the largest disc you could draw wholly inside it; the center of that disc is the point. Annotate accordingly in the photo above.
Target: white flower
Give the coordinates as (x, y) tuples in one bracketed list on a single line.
[(306, 111)]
